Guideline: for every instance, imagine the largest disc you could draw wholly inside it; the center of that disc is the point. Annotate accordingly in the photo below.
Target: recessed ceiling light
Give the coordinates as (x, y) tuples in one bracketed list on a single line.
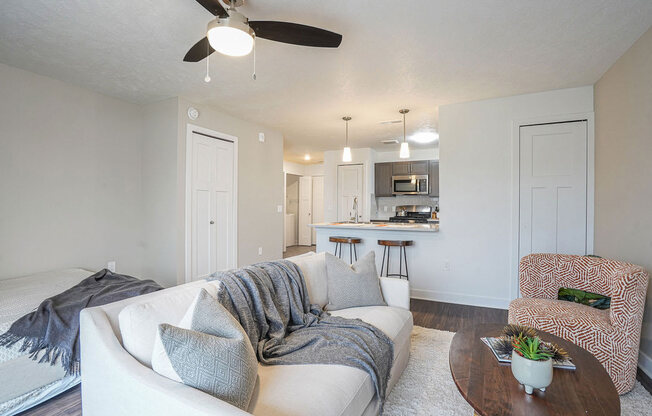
[(306, 157), (424, 137)]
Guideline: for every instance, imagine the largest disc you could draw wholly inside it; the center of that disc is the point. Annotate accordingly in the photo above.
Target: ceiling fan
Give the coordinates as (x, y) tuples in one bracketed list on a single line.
[(231, 33)]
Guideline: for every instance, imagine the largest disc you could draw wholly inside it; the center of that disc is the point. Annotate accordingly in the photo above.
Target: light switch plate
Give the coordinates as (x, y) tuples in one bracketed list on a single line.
[(111, 266), (261, 137), (260, 251), (279, 208)]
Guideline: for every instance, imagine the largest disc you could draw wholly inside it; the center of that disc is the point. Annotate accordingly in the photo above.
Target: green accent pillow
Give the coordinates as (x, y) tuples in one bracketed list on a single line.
[(593, 300)]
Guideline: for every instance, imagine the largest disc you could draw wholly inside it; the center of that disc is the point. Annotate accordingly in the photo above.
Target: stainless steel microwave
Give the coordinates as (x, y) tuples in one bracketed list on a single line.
[(410, 185)]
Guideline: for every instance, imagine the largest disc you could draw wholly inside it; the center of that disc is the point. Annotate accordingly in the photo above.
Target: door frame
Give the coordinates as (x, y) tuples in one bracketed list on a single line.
[(364, 186), (589, 117), (190, 128)]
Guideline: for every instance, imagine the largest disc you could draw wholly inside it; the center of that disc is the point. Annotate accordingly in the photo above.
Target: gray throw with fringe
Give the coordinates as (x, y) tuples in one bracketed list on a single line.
[(53, 328), (271, 302)]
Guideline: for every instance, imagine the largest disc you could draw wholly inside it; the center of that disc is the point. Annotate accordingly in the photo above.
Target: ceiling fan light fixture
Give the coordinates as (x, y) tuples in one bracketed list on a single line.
[(231, 36)]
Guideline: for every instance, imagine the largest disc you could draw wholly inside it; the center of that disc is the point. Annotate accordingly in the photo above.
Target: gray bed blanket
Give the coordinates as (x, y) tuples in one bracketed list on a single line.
[(53, 328), (271, 302)]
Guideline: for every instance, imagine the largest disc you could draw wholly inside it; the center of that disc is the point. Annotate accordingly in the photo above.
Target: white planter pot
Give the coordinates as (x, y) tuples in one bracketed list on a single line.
[(532, 374)]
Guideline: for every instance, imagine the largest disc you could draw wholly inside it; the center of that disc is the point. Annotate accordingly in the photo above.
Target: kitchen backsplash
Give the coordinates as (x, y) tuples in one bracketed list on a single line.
[(384, 207)]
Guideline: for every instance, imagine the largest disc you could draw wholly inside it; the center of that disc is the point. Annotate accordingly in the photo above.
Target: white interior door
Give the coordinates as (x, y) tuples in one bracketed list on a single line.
[(317, 203), (305, 210), (350, 180), (212, 217), (553, 188)]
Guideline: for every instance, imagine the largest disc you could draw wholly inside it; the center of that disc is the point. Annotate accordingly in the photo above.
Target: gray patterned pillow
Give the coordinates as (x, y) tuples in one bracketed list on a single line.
[(355, 285), (212, 354)]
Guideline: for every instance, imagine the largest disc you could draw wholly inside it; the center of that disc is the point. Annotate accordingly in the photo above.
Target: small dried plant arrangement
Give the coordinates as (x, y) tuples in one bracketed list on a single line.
[(526, 342)]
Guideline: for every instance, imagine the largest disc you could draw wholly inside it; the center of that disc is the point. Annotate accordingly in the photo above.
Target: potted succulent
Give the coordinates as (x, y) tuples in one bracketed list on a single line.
[(531, 362)]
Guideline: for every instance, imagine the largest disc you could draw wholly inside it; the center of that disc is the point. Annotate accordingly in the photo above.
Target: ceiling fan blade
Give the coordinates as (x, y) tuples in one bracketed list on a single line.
[(214, 7), (199, 51), (296, 34)]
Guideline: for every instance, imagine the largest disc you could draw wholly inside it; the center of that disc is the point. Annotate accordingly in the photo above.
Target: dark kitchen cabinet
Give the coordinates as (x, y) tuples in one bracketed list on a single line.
[(419, 167), (383, 179), (400, 168), (433, 178)]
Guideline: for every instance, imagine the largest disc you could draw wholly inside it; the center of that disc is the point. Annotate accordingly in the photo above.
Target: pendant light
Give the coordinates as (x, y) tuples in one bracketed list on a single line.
[(405, 149), (346, 154)]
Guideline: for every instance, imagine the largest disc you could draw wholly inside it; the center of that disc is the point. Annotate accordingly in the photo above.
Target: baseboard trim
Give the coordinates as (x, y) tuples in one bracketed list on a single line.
[(460, 298), (645, 380)]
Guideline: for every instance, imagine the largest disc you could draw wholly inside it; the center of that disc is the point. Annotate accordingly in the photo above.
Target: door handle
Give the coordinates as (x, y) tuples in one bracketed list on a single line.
[(212, 222)]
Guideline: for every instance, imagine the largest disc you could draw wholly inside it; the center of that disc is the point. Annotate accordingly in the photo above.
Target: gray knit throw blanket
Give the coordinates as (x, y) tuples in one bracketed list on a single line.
[(53, 328), (271, 302)]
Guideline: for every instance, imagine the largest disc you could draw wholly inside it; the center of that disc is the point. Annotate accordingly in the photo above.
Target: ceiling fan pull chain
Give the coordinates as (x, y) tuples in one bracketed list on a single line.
[(254, 74), (208, 59)]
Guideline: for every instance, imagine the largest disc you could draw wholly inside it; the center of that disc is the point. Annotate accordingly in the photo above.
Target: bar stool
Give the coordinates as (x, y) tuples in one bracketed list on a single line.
[(351, 241), (401, 244)]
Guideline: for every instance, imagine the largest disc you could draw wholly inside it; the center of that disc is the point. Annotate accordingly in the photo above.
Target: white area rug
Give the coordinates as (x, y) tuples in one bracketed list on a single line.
[(427, 388)]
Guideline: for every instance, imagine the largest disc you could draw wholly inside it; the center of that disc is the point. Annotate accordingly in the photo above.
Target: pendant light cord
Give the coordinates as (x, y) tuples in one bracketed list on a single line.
[(253, 76), (403, 127), (346, 144), (208, 59)]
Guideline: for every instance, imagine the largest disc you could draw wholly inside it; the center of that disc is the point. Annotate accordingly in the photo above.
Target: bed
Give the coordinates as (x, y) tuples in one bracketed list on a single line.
[(31, 383)]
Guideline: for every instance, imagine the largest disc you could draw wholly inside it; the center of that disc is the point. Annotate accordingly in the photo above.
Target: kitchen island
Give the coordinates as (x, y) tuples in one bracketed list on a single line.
[(420, 257)]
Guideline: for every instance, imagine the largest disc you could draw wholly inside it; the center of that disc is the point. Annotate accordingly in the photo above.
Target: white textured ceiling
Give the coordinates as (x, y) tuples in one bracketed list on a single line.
[(417, 54)]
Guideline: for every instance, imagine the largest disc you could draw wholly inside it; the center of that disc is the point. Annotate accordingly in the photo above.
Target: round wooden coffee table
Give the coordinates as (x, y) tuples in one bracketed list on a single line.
[(491, 389)]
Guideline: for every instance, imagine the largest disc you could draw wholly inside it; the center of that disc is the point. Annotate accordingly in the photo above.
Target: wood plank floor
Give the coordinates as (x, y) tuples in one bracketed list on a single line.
[(292, 251)]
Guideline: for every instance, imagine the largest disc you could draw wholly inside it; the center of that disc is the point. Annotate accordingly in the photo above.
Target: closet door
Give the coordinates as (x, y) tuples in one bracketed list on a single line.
[(553, 188), (212, 219)]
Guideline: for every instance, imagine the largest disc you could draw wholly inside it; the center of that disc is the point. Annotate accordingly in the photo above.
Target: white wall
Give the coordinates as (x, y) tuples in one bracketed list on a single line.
[(431, 153), (70, 179), (475, 193), (623, 168), (159, 172), (260, 182)]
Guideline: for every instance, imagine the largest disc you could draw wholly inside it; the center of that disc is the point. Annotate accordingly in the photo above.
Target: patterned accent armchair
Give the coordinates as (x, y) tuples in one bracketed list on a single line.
[(611, 335)]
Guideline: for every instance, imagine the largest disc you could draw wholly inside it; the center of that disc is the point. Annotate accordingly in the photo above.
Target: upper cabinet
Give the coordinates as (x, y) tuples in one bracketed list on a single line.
[(400, 168), (383, 179), (419, 167), (433, 178), (384, 172)]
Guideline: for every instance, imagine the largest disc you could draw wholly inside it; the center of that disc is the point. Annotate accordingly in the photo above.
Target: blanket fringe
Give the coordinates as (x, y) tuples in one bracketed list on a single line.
[(34, 346)]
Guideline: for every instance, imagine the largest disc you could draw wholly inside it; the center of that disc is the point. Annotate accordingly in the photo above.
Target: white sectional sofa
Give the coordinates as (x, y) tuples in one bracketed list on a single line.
[(116, 342)]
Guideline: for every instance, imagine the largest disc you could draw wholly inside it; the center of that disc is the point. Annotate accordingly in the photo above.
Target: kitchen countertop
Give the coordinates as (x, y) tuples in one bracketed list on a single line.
[(382, 226)]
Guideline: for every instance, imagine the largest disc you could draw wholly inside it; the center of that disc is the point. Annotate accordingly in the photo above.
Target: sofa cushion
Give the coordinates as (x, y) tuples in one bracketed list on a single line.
[(396, 323), (354, 285), (331, 389), (212, 353), (313, 267), (139, 320)]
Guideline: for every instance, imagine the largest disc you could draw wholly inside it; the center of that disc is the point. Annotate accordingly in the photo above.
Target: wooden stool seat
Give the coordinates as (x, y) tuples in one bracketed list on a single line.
[(345, 240), (351, 241), (395, 243), (402, 256)]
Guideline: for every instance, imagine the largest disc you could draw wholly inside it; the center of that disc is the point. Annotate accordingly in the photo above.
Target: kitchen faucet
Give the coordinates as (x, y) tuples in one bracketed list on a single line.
[(355, 209)]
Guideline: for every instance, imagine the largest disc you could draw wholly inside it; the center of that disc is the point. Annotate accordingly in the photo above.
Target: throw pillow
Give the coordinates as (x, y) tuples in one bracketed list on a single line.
[(593, 300), (355, 285), (213, 354)]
